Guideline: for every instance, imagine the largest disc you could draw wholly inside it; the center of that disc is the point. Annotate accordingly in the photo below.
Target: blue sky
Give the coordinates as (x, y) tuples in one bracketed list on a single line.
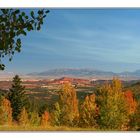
[(104, 39)]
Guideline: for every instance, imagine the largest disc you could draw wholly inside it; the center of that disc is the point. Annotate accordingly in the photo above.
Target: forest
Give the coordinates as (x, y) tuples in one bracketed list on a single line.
[(111, 107)]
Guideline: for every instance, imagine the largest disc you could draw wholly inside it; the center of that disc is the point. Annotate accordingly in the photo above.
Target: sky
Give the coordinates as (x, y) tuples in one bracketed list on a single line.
[(103, 39)]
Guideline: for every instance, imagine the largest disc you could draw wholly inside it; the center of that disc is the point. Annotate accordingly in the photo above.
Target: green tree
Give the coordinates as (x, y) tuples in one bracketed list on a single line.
[(13, 24), (17, 97), (88, 112), (113, 108)]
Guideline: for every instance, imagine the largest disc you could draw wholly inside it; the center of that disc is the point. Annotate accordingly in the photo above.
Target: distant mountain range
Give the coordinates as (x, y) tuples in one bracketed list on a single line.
[(87, 73)]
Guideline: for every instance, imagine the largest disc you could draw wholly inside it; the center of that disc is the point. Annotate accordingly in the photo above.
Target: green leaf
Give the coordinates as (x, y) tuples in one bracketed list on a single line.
[(40, 12), (44, 16), (18, 41), (32, 14), (10, 59), (2, 66), (23, 32), (23, 14), (47, 11), (17, 11), (26, 17)]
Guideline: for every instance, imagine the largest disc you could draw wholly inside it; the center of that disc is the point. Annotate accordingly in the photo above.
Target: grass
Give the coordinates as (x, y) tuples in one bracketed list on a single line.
[(39, 128), (55, 128)]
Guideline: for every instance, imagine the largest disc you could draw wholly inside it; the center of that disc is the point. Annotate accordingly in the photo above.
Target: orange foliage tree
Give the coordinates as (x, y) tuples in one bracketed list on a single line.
[(133, 110), (132, 105), (5, 112), (45, 119)]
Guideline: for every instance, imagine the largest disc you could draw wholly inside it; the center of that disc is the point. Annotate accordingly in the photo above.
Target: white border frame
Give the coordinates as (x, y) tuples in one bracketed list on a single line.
[(70, 136), (69, 4)]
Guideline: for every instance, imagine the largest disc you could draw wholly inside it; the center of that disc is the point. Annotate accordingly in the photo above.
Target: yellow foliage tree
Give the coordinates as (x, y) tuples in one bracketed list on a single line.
[(5, 112), (34, 119), (88, 112), (68, 104), (23, 118)]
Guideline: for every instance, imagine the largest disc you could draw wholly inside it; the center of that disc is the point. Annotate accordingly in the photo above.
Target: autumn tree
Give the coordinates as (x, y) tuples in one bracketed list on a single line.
[(132, 105), (45, 119), (5, 112), (23, 118), (17, 97), (113, 109), (56, 115), (134, 123), (67, 107), (88, 112), (137, 117), (34, 119)]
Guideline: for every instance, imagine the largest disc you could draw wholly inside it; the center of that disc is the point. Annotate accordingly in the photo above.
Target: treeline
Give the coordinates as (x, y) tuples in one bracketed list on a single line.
[(108, 108)]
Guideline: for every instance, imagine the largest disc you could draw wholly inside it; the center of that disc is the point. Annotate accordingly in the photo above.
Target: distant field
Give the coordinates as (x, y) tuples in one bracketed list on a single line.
[(50, 96)]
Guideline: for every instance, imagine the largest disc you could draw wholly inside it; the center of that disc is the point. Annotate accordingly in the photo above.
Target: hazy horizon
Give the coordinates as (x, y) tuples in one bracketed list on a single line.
[(102, 39), (45, 70)]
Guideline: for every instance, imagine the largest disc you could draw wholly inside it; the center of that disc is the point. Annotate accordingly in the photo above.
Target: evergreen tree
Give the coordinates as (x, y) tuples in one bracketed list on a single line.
[(17, 97)]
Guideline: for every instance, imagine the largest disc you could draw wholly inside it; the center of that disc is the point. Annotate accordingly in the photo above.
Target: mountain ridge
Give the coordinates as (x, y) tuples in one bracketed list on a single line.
[(84, 72)]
